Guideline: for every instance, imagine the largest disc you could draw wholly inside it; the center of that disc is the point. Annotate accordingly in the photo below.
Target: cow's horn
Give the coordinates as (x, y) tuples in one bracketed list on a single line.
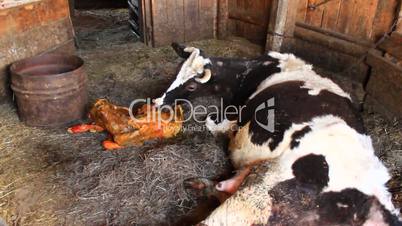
[(207, 76)]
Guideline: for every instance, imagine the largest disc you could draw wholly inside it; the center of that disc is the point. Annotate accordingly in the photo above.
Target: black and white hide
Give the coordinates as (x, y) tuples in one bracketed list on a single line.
[(305, 129)]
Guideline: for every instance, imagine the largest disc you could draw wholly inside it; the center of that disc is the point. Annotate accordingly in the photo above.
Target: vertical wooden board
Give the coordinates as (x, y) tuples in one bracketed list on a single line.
[(191, 20), (314, 16), (302, 10), (360, 24), (232, 5), (399, 22), (345, 16), (223, 19), (249, 19), (369, 13), (159, 22), (207, 12), (260, 8), (148, 22), (331, 13), (384, 17), (174, 20), (180, 19)]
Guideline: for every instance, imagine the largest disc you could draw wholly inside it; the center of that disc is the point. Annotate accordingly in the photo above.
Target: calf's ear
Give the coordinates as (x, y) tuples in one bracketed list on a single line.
[(179, 48)]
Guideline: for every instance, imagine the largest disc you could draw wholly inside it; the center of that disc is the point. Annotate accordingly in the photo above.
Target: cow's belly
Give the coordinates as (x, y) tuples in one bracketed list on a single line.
[(244, 152)]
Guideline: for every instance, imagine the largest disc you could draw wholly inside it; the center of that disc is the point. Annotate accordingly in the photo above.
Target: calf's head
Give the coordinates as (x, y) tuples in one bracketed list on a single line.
[(194, 72)]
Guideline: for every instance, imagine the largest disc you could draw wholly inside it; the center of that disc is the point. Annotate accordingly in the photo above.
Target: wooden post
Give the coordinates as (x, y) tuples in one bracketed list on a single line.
[(71, 6), (399, 25), (282, 23), (222, 19)]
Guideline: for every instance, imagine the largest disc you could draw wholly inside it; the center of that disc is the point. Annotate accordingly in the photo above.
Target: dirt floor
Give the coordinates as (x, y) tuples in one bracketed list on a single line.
[(49, 177)]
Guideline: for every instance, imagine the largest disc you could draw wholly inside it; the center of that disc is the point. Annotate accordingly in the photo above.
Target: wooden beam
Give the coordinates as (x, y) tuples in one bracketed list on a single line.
[(336, 34), (330, 42), (281, 24)]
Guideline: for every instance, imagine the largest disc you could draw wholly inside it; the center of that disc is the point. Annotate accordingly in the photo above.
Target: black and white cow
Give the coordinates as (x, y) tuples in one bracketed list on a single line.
[(317, 140)]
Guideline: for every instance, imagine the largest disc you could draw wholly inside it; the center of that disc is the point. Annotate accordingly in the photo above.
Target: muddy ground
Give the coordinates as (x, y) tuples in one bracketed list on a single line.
[(49, 177)]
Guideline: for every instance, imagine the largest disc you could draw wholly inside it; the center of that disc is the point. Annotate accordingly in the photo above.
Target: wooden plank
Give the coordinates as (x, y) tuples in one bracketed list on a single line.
[(345, 15), (330, 59), (253, 33), (314, 16), (253, 12), (384, 85), (365, 14), (393, 45), (337, 35), (330, 14), (356, 18), (302, 10), (249, 19), (384, 17), (330, 42), (175, 20), (23, 18), (159, 18), (223, 19), (148, 23), (191, 18), (255, 18), (207, 11), (399, 24)]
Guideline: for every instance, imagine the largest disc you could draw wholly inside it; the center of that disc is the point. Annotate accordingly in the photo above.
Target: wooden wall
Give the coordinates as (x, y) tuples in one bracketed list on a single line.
[(363, 19), (187, 20), (249, 19), (338, 34), (179, 20), (33, 28)]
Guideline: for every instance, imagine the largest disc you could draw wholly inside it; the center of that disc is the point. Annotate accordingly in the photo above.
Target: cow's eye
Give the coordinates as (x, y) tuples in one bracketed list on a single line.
[(191, 87)]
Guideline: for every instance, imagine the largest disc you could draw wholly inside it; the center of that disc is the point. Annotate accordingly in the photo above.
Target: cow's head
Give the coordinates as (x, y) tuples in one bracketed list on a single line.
[(194, 72)]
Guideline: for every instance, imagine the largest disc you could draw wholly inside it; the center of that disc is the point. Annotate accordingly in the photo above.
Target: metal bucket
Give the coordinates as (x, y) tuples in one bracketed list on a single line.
[(50, 89)]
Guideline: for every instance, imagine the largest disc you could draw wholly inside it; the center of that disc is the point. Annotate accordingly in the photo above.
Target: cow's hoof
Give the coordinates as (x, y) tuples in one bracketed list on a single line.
[(200, 187)]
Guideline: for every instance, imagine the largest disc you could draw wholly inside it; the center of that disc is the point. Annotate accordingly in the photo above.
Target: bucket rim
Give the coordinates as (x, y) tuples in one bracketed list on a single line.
[(44, 59)]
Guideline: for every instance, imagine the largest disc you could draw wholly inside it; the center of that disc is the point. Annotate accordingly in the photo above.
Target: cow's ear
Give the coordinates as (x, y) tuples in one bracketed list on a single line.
[(180, 50)]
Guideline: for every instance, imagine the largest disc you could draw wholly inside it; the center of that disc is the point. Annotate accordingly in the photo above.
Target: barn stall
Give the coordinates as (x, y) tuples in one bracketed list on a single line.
[(50, 177)]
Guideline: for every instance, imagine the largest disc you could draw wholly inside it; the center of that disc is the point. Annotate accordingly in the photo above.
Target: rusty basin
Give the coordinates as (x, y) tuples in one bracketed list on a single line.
[(50, 89)]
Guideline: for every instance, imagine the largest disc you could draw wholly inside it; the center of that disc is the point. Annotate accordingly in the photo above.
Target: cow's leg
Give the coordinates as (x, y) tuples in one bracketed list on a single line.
[(250, 205), (204, 188), (231, 185)]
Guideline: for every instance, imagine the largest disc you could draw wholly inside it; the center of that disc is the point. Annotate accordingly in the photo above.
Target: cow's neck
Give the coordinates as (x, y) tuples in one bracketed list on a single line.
[(228, 75), (237, 79)]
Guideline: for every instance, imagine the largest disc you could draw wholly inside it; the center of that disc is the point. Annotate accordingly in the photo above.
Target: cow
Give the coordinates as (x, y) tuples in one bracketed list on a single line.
[(304, 130)]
